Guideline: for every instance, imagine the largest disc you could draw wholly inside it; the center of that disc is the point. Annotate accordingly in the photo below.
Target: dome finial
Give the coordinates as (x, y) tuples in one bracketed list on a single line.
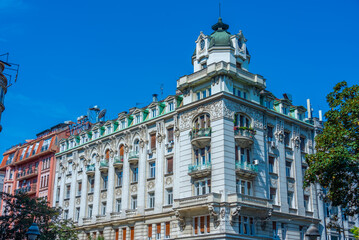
[(220, 25)]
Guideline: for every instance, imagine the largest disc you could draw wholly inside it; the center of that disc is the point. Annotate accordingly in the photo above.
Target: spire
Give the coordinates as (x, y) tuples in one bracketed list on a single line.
[(220, 25)]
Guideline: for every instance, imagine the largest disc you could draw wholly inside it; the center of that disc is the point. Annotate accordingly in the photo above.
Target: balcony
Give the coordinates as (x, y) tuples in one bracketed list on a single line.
[(199, 170), (28, 189), (43, 152), (201, 137), (201, 202), (118, 162), (246, 169), (90, 169), (133, 157), (244, 136), (249, 202), (25, 174), (103, 166)]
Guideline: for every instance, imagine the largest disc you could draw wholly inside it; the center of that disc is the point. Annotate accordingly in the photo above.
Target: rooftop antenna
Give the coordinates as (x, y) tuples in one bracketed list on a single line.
[(161, 90), (219, 8)]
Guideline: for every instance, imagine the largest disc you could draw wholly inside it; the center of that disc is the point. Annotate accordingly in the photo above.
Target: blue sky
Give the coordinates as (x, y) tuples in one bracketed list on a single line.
[(75, 54)]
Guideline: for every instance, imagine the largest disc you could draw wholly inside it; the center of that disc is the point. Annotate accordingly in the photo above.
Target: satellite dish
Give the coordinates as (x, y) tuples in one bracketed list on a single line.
[(101, 114)]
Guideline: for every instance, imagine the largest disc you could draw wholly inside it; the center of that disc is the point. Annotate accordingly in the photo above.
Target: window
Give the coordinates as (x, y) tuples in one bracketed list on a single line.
[(198, 95), (154, 112), (306, 203), (122, 152), (152, 169), (57, 194), (104, 181), (202, 156), (245, 155), (66, 214), (284, 110), (275, 230), (169, 165), (153, 141), (271, 164), (69, 168), (201, 225), (290, 200), (35, 148), (138, 118), (202, 187), (91, 184), (288, 169), (158, 231), (246, 225), (79, 188), (244, 95), (89, 211), (237, 92), (151, 200), (171, 106), (241, 120), (149, 231), (103, 208), (273, 195), (168, 230), (204, 65), (170, 135), (134, 174), (244, 187), (68, 191), (270, 133), (45, 144), (123, 124), (134, 202), (118, 205), (302, 144), (137, 146), (119, 178), (77, 214), (287, 138), (169, 196)]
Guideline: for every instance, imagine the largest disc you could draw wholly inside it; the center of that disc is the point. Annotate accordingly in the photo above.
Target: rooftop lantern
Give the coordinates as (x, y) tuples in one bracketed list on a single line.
[(33, 232), (312, 232)]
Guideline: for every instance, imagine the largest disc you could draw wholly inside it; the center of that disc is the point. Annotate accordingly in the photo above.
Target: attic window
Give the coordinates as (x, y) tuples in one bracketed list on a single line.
[(238, 65), (204, 65)]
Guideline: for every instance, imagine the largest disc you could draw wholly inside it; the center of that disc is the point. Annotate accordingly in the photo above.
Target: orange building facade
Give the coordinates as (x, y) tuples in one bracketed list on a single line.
[(30, 167)]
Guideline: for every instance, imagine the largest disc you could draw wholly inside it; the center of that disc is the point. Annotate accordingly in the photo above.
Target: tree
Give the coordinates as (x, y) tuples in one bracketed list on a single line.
[(335, 165), (20, 211)]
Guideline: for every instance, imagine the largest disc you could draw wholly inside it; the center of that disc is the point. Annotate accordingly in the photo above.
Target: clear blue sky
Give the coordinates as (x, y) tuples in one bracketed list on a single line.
[(75, 54)]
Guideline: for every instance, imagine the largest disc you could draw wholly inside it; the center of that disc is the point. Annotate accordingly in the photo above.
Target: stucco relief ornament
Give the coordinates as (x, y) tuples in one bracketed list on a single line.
[(151, 185), (118, 192), (134, 188), (234, 214), (90, 198), (296, 141), (127, 148), (279, 135), (112, 153), (168, 181), (97, 157), (78, 201), (215, 216), (159, 138), (142, 143), (104, 195), (273, 182), (181, 220), (66, 203)]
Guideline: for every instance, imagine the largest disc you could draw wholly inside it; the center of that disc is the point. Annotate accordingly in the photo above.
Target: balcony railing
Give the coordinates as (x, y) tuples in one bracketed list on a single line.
[(118, 161), (103, 165), (201, 137), (26, 173), (249, 201), (133, 156), (199, 170), (246, 169), (27, 189), (244, 136), (90, 169)]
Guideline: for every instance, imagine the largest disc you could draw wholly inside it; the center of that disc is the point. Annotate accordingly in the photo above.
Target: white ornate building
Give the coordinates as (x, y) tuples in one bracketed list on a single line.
[(221, 159)]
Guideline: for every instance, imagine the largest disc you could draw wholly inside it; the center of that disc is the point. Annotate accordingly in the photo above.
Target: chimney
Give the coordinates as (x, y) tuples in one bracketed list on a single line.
[(320, 116), (154, 97), (309, 109)]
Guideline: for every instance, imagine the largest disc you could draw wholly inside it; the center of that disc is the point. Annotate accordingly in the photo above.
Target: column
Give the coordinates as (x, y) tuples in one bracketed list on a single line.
[(96, 197), (83, 204), (110, 188), (125, 185), (73, 192), (142, 179)]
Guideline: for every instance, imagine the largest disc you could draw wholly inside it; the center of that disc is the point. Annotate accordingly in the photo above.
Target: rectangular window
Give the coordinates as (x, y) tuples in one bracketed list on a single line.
[(273, 195), (124, 234), (204, 93), (171, 106), (152, 169), (287, 139), (270, 133), (79, 188), (198, 95), (244, 95), (138, 118), (104, 181), (89, 211), (288, 168), (209, 91), (153, 141), (158, 231), (119, 178), (290, 199), (132, 233), (169, 196), (302, 144), (103, 208), (91, 184), (77, 214), (244, 187), (154, 112), (123, 124), (306, 203), (149, 231), (68, 191), (118, 205), (66, 214), (134, 174), (57, 194), (169, 165), (134, 202), (168, 230), (45, 144), (109, 129), (271, 164), (275, 230), (69, 168), (170, 135), (151, 200)]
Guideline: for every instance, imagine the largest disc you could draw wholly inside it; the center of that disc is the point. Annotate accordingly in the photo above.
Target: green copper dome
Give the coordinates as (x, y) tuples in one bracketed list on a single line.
[(220, 37)]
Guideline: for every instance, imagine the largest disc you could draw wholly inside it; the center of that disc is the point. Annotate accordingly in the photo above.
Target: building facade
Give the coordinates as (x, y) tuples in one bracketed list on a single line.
[(221, 159), (30, 167)]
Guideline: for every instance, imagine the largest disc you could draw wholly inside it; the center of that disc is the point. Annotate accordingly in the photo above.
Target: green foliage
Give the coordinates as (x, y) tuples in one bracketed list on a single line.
[(335, 165), (355, 231), (20, 211)]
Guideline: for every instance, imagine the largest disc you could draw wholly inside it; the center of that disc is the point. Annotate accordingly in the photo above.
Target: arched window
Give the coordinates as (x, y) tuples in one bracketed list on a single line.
[(241, 120), (107, 155), (202, 121), (122, 152), (137, 146)]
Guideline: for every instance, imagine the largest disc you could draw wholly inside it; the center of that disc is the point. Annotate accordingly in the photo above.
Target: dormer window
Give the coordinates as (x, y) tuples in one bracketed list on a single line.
[(240, 44), (108, 129), (170, 106), (204, 65), (96, 134), (123, 124), (154, 112), (284, 110), (202, 44), (204, 93), (138, 118), (238, 65)]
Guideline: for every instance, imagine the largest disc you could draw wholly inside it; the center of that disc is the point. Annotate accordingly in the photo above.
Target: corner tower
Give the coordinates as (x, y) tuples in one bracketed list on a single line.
[(220, 46)]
